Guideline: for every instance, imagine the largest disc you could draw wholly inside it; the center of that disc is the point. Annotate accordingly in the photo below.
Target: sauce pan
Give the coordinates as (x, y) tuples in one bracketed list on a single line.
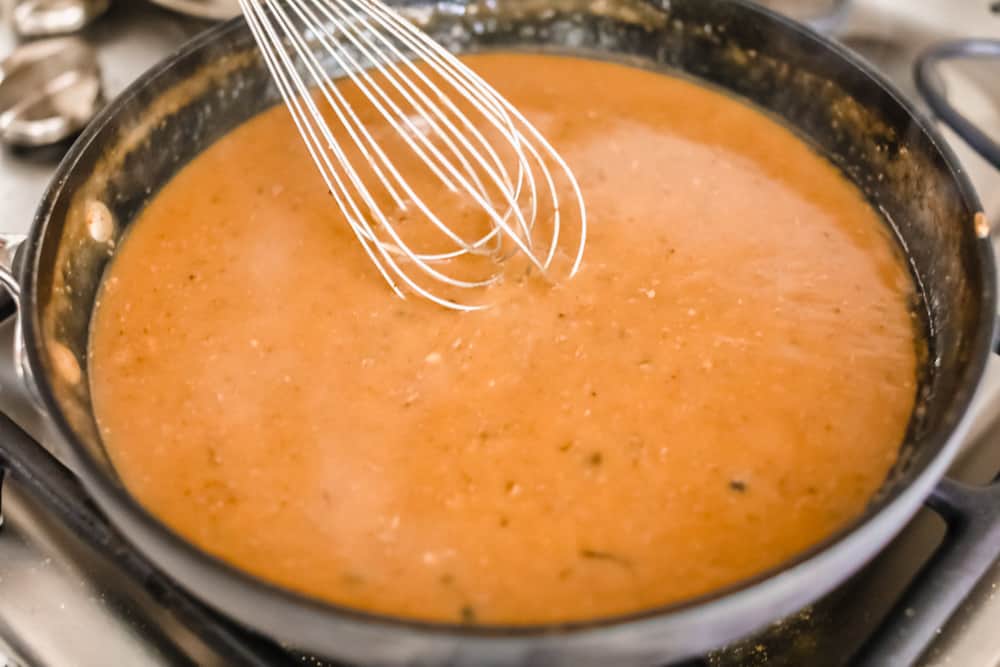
[(831, 98)]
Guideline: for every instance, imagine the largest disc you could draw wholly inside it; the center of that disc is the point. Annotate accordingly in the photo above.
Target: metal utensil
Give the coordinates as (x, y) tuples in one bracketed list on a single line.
[(49, 90), (45, 18), (206, 9)]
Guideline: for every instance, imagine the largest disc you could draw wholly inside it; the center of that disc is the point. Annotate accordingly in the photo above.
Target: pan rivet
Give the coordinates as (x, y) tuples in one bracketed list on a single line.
[(65, 364), (99, 221)]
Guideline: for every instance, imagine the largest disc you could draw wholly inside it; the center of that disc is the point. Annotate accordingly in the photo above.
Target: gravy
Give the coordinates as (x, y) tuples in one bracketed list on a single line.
[(726, 382)]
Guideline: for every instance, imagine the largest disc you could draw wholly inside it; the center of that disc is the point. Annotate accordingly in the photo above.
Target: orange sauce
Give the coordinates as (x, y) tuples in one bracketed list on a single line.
[(726, 382)]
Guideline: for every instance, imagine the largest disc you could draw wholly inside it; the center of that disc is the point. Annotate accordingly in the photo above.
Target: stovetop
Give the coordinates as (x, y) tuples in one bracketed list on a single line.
[(62, 605)]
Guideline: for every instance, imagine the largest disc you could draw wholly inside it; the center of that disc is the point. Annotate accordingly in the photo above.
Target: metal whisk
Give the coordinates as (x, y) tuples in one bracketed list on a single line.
[(500, 177)]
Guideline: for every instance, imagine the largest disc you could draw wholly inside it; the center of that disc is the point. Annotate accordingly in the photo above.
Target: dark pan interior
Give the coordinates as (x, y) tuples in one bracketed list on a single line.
[(155, 129)]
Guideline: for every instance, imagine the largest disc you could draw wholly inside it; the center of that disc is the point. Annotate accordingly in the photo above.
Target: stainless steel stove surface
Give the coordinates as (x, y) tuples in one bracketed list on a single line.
[(63, 605)]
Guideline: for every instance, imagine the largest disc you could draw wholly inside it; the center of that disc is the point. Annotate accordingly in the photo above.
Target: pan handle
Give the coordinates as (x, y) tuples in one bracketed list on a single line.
[(926, 75), (969, 549), (10, 244), (10, 299)]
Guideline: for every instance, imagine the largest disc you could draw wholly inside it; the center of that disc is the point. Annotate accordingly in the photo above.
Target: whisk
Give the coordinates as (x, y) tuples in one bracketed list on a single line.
[(425, 148)]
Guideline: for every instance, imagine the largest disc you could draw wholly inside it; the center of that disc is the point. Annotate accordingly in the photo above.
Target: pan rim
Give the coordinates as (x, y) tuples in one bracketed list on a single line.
[(118, 503)]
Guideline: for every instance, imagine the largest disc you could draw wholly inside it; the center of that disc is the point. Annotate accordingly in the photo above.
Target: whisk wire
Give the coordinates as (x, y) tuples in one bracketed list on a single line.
[(306, 123), (364, 85), (262, 32), (337, 188), (365, 39), (445, 135), (397, 241)]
